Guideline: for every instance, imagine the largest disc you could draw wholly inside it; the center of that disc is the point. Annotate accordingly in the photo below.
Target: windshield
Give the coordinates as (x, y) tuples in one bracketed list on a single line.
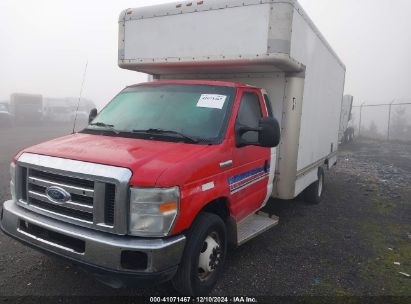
[(195, 111)]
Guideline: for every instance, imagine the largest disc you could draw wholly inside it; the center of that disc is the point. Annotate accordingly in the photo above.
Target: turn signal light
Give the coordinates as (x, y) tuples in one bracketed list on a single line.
[(169, 206)]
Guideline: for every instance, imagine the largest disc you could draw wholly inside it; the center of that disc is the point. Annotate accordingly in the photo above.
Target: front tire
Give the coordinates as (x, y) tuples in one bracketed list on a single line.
[(314, 193), (204, 255)]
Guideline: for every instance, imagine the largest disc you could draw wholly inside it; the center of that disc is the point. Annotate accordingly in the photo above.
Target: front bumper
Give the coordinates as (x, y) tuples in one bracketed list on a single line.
[(101, 252)]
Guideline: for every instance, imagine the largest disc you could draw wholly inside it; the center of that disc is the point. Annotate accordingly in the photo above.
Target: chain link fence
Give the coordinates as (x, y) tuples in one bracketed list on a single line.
[(388, 121)]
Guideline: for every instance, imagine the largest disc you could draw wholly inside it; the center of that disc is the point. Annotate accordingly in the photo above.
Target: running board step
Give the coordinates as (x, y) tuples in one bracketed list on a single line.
[(254, 225)]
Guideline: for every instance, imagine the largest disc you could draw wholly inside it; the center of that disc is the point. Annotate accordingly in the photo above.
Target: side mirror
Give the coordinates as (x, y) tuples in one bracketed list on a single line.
[(268, 133), (92, 115)]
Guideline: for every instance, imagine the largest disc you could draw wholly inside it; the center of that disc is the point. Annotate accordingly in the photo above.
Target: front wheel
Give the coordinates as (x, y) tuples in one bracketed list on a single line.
[(314, 193), (203, 257)]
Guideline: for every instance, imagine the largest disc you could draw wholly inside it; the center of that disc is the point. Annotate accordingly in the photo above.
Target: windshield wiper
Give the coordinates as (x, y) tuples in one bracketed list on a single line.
[(161, 131), (107, 126)]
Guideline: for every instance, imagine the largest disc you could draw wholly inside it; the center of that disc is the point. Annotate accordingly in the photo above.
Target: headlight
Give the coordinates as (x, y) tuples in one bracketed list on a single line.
[(153, 211), (13, 181)]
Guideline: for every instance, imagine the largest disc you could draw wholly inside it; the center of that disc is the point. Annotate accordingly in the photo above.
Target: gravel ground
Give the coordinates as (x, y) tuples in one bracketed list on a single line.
[(347, 245)]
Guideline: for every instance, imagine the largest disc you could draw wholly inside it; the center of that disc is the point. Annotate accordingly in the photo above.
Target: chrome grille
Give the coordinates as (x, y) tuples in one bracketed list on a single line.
[(72, 213), (79, 207), (98, 193), (109, 204), (66, 180)]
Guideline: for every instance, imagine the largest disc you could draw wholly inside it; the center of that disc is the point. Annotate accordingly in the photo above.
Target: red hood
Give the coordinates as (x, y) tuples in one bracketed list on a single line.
[(149, 158)]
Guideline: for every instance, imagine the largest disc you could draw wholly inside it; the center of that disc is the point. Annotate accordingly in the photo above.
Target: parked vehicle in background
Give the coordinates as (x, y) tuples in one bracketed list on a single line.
[(6, 119), (346, 133), (60, 110), (173, 171), (81, 116), (57, 110), (80, 111), (26, 109)]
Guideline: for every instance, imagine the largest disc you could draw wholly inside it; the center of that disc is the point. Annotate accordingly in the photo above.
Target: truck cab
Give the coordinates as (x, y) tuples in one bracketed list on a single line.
[(163, 164)]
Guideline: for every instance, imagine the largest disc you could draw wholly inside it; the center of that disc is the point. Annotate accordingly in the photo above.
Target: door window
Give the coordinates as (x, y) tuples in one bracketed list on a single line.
[(249, 114), (268, 106)]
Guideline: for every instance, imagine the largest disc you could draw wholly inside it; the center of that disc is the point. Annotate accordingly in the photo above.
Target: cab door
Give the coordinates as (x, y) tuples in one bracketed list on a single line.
[(252, 164)]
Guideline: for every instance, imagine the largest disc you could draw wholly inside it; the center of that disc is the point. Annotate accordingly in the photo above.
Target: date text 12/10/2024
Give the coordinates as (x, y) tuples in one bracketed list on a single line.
[(235, 299)]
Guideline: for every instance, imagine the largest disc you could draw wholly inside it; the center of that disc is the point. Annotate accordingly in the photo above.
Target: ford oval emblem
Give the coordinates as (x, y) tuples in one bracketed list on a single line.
[(57, 194)]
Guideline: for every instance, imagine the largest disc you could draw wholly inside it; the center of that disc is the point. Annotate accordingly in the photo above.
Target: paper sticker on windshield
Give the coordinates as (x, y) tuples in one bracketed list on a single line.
[(211, 101)]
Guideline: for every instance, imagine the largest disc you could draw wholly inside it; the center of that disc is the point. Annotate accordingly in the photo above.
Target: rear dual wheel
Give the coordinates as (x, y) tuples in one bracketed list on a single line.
[(204, 255)]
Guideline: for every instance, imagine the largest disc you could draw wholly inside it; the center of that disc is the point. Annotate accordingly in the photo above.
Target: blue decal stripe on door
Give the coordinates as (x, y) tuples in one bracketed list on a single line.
[(243, 180)]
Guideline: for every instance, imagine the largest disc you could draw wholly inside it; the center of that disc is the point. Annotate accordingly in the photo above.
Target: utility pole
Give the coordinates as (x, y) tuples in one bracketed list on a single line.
[(359, 128), (389, 119)]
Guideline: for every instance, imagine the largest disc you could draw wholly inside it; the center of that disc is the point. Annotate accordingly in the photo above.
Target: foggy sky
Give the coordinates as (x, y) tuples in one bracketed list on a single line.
[(45, 44)]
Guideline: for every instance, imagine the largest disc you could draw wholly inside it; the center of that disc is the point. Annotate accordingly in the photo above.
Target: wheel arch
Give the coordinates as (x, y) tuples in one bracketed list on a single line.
[(218, 206), (221, 207)]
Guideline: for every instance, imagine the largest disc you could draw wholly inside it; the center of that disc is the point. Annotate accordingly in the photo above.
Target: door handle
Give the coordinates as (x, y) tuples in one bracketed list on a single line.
[(226, 164)]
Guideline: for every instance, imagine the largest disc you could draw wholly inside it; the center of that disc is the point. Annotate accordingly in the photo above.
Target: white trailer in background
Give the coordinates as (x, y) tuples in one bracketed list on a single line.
[(271, 44), (26, 108), (57, 109), (66, 110), (346, 133)]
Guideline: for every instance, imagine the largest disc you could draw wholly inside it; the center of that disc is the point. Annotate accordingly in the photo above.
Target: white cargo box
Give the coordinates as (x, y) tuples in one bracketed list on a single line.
[(271, 44), (211, 36)]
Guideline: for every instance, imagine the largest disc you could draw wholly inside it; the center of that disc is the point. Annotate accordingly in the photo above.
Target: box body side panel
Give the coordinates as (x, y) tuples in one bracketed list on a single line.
[(323, 91)]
